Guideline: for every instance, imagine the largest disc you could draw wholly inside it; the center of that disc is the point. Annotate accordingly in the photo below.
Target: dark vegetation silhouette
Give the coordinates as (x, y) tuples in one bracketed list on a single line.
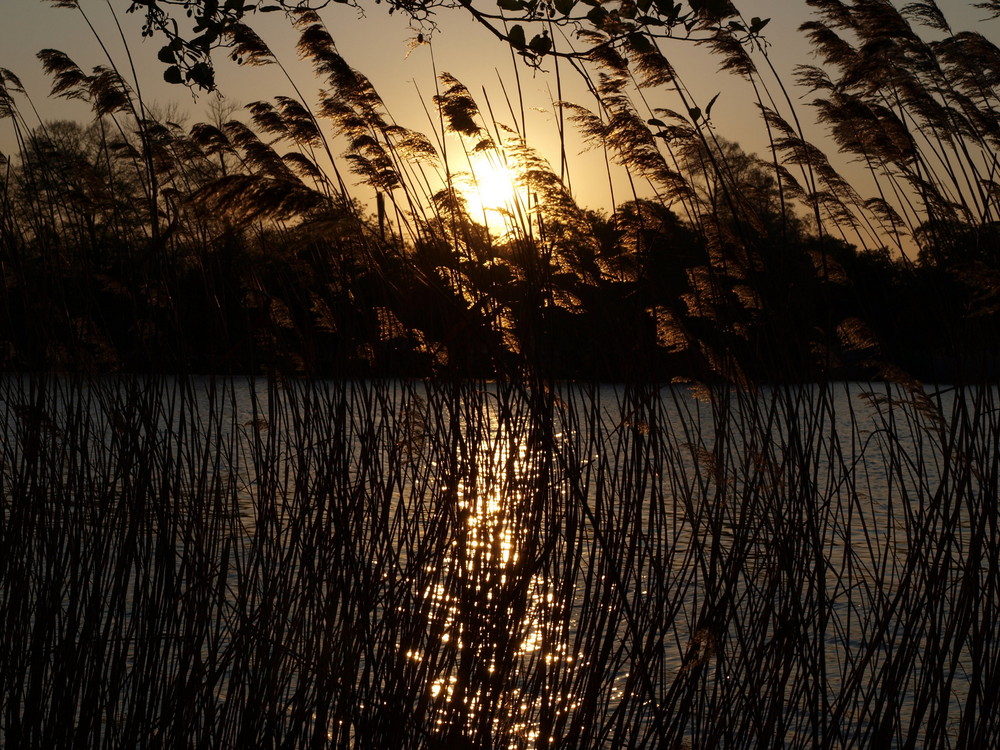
[(231, 247), (442, 542)]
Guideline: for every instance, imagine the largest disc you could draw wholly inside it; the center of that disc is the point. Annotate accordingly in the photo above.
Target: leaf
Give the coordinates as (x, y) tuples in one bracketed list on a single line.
[(757, 24), (656, 122), (173, 75), (708, 109), (205, 41), (715, 10), (565, 6), (695, 113), (202, 75), (597, 16), (516, 37), (540, 43), (640, 42), (669, 9), (166, 55), (511, 5), (269, 8)]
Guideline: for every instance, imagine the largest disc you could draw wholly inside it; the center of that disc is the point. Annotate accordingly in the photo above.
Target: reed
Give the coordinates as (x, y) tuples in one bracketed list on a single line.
[(332, 563), (731, 548)]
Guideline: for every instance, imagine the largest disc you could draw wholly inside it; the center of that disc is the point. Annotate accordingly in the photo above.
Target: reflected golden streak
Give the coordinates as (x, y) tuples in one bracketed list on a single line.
[(490, 611)]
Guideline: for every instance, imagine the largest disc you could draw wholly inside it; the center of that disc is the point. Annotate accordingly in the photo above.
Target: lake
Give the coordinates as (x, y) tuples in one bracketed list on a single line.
[(252, 562)]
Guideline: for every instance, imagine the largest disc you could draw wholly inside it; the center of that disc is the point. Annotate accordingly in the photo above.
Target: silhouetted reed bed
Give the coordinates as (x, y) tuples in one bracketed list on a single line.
[(236, 245), (493, 556), (230, 563)]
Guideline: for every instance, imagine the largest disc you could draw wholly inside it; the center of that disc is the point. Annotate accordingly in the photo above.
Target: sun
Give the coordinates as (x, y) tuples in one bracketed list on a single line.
[(490, 191)]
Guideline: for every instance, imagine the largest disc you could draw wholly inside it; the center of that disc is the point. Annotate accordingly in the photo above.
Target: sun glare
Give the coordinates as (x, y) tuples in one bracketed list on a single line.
[(490, 192)]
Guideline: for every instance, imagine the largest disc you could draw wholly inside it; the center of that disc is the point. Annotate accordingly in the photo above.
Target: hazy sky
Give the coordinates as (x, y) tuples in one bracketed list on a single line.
[(377, 46)]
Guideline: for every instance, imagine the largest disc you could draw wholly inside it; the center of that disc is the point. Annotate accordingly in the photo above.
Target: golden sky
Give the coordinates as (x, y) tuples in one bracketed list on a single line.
[(377, 45)]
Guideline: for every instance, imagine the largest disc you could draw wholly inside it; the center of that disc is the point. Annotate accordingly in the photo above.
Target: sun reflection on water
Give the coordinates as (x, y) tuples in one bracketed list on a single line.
[(498, 625)]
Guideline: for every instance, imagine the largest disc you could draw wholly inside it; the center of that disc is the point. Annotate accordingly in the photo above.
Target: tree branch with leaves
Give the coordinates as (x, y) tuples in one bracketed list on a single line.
[(194, 30)]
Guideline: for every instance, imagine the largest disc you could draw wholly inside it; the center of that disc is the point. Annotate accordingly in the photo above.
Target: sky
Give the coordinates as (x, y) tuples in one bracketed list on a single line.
[(377, 45)]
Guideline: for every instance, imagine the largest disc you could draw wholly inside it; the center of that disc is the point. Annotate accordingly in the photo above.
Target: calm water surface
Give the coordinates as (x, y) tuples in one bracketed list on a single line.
[(413, 563)]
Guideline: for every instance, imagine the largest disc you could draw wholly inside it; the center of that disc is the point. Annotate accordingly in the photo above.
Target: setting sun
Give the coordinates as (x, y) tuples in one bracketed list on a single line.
[(490, 191)]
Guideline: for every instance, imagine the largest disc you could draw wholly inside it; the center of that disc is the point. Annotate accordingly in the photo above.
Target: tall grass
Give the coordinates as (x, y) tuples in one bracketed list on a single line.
[(736, 559), (233, 563), (720, 264)]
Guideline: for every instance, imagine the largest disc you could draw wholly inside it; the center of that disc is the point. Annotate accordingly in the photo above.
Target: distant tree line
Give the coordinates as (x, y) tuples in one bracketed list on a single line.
[(321, 289), (135, 243)]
